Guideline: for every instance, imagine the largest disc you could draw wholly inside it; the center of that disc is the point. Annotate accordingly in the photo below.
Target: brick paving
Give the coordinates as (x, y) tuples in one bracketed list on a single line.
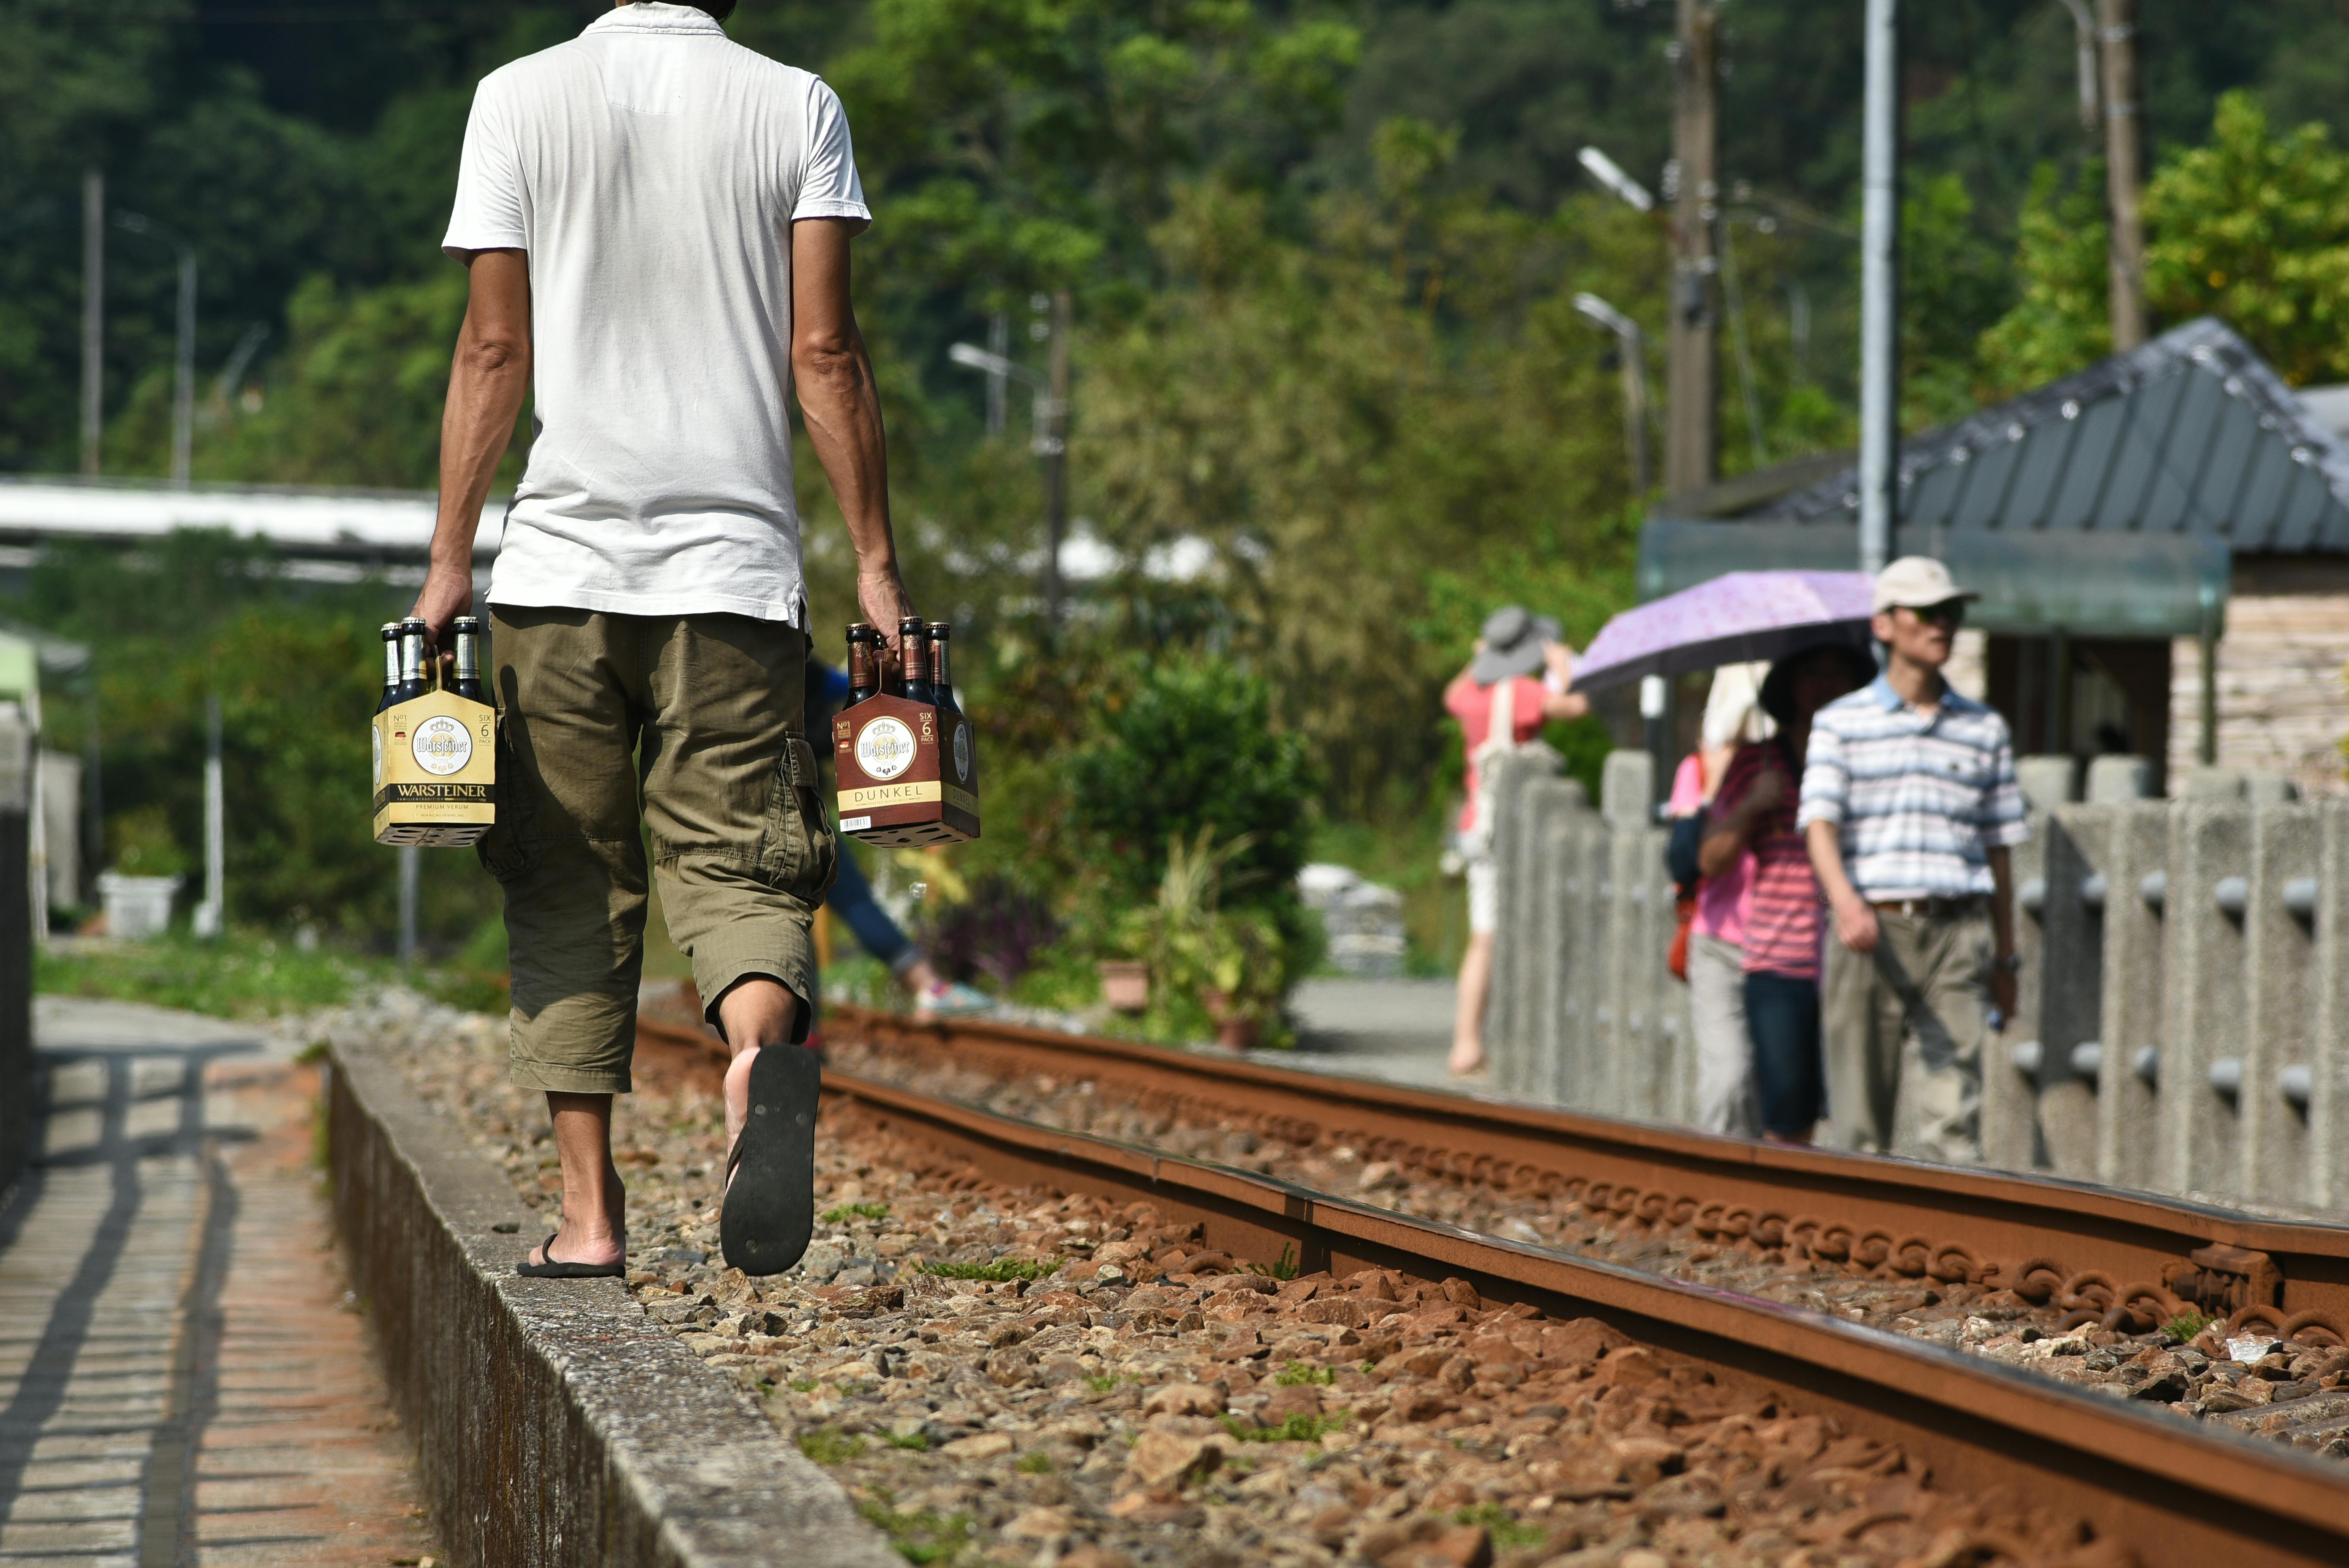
[(184, 1378)]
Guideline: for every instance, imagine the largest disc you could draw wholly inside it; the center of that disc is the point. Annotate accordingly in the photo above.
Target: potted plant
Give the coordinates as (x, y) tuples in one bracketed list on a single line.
[(1229, 961)]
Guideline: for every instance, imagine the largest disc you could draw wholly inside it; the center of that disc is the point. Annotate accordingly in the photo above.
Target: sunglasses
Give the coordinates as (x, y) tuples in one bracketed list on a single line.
[(1953, 613)]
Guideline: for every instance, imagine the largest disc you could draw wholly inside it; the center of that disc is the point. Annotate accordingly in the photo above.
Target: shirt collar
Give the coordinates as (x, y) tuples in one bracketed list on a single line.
[(656, 16), (1890, 701)]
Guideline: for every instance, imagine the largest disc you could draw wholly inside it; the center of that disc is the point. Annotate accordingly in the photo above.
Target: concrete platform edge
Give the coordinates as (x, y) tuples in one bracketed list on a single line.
[(555, 1424)]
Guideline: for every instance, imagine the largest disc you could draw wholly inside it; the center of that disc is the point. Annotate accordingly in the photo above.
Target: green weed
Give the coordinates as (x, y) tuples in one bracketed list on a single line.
[(1035, 1461), (1000, 1272), (847, 1212), (1296, 1374), (830, 1446), (1283, 1268), (920, 1538), (919, 1442), (803, 1385), (1103, 1382), (2187, 1323), (1300, 1428), (1508, 1535)]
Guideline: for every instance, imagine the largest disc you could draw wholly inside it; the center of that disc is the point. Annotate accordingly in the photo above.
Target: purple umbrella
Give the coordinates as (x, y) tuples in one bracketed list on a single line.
[(1736, 617)]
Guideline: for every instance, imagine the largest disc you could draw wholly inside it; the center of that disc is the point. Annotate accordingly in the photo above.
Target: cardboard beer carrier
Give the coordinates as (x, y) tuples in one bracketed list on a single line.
[(907, 769), (435, 770)]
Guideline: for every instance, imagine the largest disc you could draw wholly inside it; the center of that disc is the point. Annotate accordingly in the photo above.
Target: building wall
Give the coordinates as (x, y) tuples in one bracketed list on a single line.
[(2283, 704)]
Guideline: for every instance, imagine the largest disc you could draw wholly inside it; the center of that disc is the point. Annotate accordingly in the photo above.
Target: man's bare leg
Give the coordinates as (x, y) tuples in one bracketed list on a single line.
[(1468, 1022), (754, 1013), (595, 1203)]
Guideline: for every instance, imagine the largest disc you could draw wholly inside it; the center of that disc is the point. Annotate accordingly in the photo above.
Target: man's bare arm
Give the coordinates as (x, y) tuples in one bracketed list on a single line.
[(1855, 918), (842, 409), (487, 380)]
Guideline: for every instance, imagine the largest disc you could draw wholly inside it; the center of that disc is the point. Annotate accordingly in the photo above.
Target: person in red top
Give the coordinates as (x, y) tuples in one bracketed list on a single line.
[(1784, 919), (1519, 680)]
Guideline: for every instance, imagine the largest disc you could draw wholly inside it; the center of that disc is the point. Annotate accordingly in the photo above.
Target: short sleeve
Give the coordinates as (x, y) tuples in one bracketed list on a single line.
[(491, 211), (1826, 781), (2003, 820), (1688, 787), (829, 186)]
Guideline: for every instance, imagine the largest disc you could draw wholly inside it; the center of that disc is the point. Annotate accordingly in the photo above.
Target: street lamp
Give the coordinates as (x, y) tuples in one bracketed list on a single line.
[(1046, 443), (183, 369), (1610, 173), (1632, 349)]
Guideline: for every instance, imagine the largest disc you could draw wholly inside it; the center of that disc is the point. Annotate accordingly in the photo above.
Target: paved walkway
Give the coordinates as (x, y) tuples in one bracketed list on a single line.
[(183, 1379), (1399, 1030)]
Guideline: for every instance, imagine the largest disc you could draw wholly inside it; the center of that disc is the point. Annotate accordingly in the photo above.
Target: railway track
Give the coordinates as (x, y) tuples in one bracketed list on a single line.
[(2127, 1260), (2147, 1487)]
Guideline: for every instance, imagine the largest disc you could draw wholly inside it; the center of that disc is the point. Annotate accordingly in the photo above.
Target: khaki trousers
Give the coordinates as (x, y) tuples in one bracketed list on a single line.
[(1724, 1051), (1904, 1028), (615, 729)]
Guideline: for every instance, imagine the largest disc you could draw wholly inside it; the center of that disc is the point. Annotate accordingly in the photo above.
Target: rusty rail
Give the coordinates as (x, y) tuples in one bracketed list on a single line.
[(2166, 1491), (2129, 1259)]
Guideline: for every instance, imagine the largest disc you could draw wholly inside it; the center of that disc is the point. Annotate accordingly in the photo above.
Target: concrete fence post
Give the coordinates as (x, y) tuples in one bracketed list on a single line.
[(1583, 1015), (2203, 1004), (2129, 1016), (2010, 1059), (2069, 980), (16, 1126), (1627, 793), (1550, 807), (2047, 782), (1515, 951), (2328, 1099), (2280, 1004), (2118, 780)]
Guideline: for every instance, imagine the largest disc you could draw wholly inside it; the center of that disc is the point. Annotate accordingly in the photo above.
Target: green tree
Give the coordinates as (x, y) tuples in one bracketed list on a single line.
[(2060, 320)]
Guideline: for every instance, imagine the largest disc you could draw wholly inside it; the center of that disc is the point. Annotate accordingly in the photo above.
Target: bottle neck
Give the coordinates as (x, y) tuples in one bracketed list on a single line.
[(860, 666), (411, 658), (917, 656), (391, 660), (938, 665), (468, 655)]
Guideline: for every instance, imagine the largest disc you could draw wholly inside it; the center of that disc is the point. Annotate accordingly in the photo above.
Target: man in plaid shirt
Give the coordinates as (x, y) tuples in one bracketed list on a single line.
[(1909, 808)]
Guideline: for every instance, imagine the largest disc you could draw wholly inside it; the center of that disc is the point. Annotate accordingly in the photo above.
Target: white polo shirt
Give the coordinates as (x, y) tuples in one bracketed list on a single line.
[(652, 168)]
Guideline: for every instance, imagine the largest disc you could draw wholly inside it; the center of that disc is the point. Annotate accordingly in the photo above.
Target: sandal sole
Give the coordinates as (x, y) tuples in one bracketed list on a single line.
[(767, 1215)]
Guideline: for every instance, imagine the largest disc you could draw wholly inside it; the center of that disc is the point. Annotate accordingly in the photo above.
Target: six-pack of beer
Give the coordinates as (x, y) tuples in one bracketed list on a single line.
[(435, 746), (905, 755)]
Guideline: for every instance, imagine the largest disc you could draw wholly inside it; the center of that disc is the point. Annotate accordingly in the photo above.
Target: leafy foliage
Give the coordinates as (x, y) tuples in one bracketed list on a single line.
[(1194, 748), (995, 1272)]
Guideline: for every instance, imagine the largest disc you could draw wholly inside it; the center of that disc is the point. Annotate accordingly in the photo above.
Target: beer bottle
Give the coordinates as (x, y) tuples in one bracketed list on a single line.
[(863, 664), (390, 635), (414, 680), (467, 630), (913, 642), (941, 681)]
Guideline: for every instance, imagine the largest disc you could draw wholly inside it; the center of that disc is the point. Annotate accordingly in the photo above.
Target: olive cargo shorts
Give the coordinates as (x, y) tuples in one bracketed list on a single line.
[(699, 716)]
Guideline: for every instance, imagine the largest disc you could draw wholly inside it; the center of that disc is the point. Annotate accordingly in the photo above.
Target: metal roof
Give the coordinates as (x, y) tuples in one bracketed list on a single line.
[(304, 523), (2190, 434)]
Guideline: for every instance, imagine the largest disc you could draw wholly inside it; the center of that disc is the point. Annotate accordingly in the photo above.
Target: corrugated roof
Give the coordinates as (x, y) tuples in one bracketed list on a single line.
[(2192, 433)]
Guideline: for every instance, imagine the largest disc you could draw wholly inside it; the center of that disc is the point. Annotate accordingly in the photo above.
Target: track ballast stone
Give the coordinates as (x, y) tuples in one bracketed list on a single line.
[(1106, 1393)]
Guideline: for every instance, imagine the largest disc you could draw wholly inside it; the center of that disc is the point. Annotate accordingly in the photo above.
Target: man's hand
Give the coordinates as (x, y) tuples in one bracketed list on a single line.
[(1855, 925), (2002, 991), (447, 594), (883, 597)]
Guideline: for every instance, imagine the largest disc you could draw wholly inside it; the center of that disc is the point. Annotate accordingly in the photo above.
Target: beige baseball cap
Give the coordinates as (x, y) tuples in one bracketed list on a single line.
[(1918, 582)]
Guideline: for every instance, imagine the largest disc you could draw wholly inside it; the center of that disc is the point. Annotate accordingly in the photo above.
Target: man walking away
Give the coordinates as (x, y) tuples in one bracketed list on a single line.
[(657, 224), (1910, 807)]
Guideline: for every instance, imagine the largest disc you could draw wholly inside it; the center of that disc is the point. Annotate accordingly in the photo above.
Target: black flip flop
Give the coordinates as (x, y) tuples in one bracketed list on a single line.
[(768, 1213), (552, 1269)]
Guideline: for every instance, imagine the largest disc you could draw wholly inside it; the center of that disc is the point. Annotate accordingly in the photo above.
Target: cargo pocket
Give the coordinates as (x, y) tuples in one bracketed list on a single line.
[(800, 857), (508, 848)]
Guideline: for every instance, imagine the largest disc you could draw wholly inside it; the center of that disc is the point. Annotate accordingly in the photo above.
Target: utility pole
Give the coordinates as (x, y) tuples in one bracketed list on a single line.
[(998, 344), (183, 364), (2083, 49), (93, 313), (1052, 446), (1692, 431), (2122, 151), (1879, 288)]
